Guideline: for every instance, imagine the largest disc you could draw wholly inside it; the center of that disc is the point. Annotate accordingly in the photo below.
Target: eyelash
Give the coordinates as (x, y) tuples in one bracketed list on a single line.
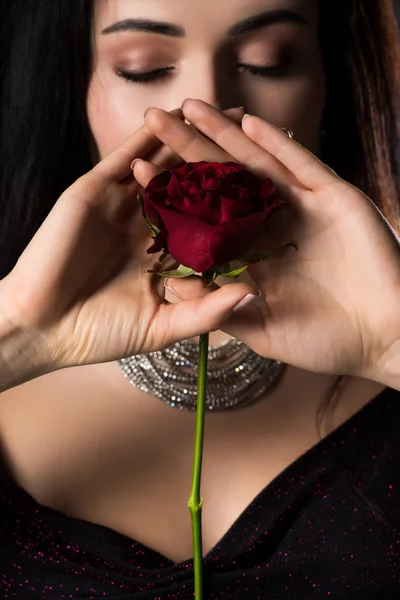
[(158, 74), (148, 77), (275, 71)]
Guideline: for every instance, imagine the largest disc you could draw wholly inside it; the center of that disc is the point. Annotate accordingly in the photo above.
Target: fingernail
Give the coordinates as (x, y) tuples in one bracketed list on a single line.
[(147, 110), (170, 289), (134, 162), (245, 302), (245, 116), (186, 100)]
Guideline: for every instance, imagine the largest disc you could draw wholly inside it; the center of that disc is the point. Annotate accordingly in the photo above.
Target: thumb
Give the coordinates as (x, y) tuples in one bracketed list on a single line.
[(202, 314)]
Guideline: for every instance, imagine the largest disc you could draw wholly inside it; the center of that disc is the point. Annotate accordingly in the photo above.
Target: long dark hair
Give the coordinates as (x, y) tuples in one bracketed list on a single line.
[(45, 68), (45, 139)]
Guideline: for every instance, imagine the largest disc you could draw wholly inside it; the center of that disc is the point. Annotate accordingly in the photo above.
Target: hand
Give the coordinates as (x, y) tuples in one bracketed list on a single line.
[(332, 306), (80, 291)]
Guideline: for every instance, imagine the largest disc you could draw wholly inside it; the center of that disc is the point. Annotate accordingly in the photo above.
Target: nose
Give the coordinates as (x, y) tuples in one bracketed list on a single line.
[(208, 79)]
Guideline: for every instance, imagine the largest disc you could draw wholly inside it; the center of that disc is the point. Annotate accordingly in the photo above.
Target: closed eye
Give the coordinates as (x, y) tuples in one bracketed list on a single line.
[(159, 74), (270, 71), (147, 77)]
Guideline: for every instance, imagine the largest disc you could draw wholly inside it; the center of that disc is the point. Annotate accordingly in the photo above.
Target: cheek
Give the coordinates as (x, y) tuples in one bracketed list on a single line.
[(297, 104), (113, 111)]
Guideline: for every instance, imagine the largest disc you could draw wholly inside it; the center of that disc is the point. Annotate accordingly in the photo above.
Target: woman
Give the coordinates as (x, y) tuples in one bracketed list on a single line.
[(96, 472)]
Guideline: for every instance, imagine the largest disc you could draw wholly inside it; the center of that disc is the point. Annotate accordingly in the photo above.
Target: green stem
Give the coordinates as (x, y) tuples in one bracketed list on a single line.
[(195, 503)]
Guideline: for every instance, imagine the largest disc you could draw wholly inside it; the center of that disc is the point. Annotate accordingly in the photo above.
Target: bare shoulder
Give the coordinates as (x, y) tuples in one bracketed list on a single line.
[(60, 387), (30, 418), (54, 387), (49, 423)]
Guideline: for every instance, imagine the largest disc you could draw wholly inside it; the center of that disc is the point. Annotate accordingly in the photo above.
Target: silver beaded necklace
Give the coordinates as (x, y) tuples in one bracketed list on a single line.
[(236, 376)]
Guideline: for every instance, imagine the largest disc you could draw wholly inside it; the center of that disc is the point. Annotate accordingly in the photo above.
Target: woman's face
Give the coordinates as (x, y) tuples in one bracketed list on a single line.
[(260, 54)]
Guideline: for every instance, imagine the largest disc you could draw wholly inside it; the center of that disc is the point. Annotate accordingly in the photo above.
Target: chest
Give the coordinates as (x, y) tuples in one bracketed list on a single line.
[(129, 468)]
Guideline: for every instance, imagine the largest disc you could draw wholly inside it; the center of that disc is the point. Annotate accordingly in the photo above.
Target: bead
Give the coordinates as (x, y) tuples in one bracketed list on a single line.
[(171, 375)]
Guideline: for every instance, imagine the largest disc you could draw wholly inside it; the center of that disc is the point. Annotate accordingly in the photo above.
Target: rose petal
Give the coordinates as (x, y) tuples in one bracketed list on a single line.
[(209, 213), (234, 238), (188, 240)]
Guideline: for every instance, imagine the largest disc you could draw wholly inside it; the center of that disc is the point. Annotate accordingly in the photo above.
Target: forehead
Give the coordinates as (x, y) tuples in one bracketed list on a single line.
[(192, 15)]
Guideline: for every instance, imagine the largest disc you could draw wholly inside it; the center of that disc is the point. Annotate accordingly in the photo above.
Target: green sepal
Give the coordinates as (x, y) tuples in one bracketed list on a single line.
[(249, 259), (235, 273), (223, 270), (179, 273), (153, 229)]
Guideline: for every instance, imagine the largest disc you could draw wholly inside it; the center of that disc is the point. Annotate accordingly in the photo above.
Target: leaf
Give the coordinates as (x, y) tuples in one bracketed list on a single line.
[(235, 273), (179, 273), (249, 259), (223, 269), (153, 229)]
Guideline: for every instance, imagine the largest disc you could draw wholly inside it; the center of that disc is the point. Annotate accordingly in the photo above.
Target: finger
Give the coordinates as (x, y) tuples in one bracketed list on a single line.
[(166, 158), (307, 169), (117, 165), (144, 171), (199, 315), (190, 287), (235, 114), (245, 323), (229, 136), (186, 141)]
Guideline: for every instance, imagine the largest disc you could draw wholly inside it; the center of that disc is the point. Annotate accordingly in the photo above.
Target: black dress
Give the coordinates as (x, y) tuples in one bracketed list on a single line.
[(326, 528)]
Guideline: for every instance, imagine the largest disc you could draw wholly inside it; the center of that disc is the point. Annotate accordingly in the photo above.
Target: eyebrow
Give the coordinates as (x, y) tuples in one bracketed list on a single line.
[(251, 24), (147, 26), (265, 19)]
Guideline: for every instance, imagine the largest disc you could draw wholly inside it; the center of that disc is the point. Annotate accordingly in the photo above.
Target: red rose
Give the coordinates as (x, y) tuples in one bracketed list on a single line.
[(208, 214)]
